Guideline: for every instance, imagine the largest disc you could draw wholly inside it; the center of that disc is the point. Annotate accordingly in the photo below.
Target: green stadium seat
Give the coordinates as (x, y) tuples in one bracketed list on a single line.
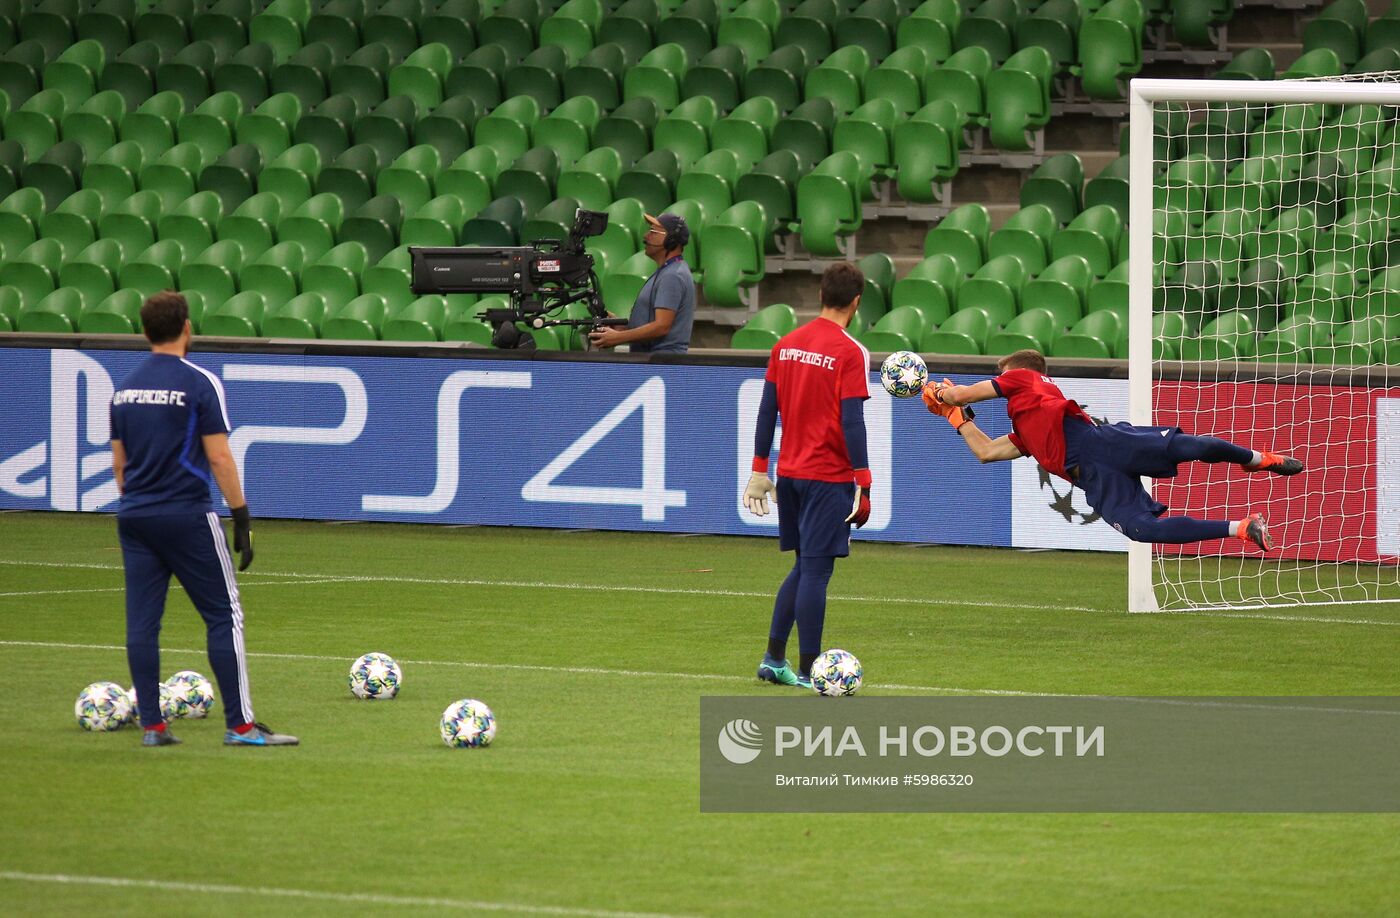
[(623, 235), (132, 222), (995, 287), (58, 312), (1229, 336), (107, 22), (748, 129), (1034, 328), (189, 72), (1096, 337), (710, 181), (750, 28), (1259, 287), (316, 225), (281, 26), (964, 332), (1110, 187), (1363, 342), (1028, 235), (152, 125), (174, 175), (657, 76), (20, 213), (778, 76), (306, 74), (514, 26), (165, 22), (1093, 235), (621, 285), (990, 25), (298, 317), (20, 68), (36, 123), (364, 75), (497, 224), (420, 320), (732, 248), (448, 127), (868, 133), (539, 75), (74, 221), (211, 124), (214, 273), (900, 329), (116, 314), (1057, 183), (389, 128), (1018, 95), (1340, 26), (870, 26), (1321, 62), (592, 180), (532, 178), (1359, 231), (1193, 21), (1061, 289), (932, 284), (131, 72), (553, 221), (878, 269), (253, 223), (628, 128), (809, 26), (829, 203), (806, 131), (840, 78), (223, 24), (1325, 293), (93, 124), (412, 177), (926, 150), (721, 75), (234, 175), (466, 326), (962, 235), (269, 127), (34, 273), (1053, 26), (329, 126), (568, 130), (900, 79), (772, 182), (275, 273), (961, 80), (351, 175), (932, 26), (1110, 48), (239, 316), (631, 26), (58, 174), (423, 75), (335, 276), (480, 75), (358, 320), (292, 175), (156, 269), (389, 280), (686, 130), (574, 27), (762, 332), (93, 272), (76, 72), (1111, 293), (652, 180), (471, 177), (1250, 64), (599, 75)]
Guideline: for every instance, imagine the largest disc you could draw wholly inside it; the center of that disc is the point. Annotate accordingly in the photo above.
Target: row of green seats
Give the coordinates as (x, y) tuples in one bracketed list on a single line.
[(1345, 28)]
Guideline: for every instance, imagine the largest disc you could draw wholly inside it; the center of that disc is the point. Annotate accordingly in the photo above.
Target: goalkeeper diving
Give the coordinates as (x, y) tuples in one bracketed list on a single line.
[(1106, 461)]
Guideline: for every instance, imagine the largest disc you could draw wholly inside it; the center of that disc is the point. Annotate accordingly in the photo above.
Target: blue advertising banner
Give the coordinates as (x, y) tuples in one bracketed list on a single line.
[(495, 442)]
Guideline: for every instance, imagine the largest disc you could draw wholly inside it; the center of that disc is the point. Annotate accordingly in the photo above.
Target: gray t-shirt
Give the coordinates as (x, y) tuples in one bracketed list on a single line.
[(669, 287)]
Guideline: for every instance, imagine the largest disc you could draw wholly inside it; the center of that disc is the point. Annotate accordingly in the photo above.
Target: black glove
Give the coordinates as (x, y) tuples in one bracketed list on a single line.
[(242, 536), (860, 512)]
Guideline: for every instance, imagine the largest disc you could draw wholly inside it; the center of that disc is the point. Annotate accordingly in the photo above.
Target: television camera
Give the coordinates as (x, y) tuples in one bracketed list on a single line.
[(542, 279)]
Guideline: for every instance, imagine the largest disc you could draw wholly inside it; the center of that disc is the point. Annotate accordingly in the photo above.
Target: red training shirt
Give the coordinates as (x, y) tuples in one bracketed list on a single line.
[(814, 367), (1038, 409)]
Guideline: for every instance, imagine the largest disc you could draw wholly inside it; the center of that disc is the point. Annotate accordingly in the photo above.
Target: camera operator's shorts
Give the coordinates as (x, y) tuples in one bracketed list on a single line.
[(812, 516)]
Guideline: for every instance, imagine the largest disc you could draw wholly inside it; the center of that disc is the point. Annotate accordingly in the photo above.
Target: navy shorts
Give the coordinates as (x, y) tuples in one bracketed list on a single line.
[(812, 517), (1112, 458)]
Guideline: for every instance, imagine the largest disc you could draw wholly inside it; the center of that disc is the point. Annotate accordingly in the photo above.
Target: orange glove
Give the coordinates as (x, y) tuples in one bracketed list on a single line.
[(956, 415)]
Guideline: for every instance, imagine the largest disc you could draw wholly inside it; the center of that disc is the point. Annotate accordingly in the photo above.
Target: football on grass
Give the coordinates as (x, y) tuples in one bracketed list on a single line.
[(468, 724), (903, 374), (169, 704), (194, 695), (836, 672), (375, 675), (102, 706)]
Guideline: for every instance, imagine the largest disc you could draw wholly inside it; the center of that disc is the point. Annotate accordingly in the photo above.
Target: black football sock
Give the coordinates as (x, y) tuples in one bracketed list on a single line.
[(804, 668), (777, 649)]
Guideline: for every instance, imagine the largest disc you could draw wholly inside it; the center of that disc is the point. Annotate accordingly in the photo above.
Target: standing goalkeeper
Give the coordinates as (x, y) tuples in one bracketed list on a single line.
[(818, 380), (169, 438), (1106, 460)]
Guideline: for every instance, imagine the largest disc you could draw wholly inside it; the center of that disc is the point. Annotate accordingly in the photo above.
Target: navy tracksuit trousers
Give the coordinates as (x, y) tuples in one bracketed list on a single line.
[(191, 546)]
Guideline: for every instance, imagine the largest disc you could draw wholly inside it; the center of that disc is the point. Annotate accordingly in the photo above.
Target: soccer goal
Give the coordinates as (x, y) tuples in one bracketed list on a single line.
[(1264, 307)]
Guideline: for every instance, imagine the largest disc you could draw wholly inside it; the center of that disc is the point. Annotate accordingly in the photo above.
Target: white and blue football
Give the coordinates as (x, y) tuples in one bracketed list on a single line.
[(468, 724), (903, 374), (836, 673), (375, 675)]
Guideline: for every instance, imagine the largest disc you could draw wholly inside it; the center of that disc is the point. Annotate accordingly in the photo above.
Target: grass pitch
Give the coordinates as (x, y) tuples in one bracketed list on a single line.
[(593, 649)]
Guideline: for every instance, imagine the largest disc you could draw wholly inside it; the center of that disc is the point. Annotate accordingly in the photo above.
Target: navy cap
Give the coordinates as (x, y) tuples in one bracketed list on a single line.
[(675, 225)]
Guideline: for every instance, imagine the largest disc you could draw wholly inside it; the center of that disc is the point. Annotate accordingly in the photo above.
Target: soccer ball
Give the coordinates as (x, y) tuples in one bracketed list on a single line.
[(903, 374), (375, 675), (194, 696), (102, 706), (169, 703), (836, 672), (468, 724)]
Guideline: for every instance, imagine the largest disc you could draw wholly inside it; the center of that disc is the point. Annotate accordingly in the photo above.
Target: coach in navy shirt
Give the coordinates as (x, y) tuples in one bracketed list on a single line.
[(169, 440)]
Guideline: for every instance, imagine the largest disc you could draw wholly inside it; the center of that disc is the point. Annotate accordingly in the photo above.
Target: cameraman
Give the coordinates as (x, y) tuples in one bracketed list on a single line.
[(665, 308)]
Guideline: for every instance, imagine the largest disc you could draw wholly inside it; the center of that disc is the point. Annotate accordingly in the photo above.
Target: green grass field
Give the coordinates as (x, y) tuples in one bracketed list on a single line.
[(594, 649)]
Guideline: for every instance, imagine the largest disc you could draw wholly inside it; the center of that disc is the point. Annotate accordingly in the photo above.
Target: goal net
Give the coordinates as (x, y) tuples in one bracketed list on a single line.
[(1265, 309)]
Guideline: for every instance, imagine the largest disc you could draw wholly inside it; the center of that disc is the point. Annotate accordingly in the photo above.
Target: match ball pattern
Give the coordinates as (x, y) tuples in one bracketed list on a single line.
[(835, 673), (169, 704), (903, 374), (468, 724), (194, 695), (102, 706), (375, 675)]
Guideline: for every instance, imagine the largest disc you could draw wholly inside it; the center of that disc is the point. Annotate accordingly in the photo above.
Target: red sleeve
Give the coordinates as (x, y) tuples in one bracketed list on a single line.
[(1012, 381), (855, 374), (1016, 442)]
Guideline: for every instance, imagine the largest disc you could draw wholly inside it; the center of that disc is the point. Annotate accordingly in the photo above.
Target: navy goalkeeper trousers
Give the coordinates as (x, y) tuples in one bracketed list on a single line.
[(192, 546)]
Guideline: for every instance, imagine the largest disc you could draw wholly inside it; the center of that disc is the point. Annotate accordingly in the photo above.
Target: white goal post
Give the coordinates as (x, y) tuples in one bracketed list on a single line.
[(1258, 257)]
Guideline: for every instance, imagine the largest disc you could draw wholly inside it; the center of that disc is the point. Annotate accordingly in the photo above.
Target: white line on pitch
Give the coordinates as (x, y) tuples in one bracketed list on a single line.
[(255, 583), (348, 898), (525, 667)]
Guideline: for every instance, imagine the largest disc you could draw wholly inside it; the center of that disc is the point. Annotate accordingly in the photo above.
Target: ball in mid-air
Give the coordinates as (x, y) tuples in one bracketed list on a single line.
[(375, 675), (904, 374), (468, 724), (835, 673), (102, 706), (194, 695)]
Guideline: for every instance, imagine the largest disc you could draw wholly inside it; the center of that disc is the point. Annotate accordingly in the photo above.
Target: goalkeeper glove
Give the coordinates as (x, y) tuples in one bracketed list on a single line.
[(243, 536), (957, 415), (756, 494), (860, 510)]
